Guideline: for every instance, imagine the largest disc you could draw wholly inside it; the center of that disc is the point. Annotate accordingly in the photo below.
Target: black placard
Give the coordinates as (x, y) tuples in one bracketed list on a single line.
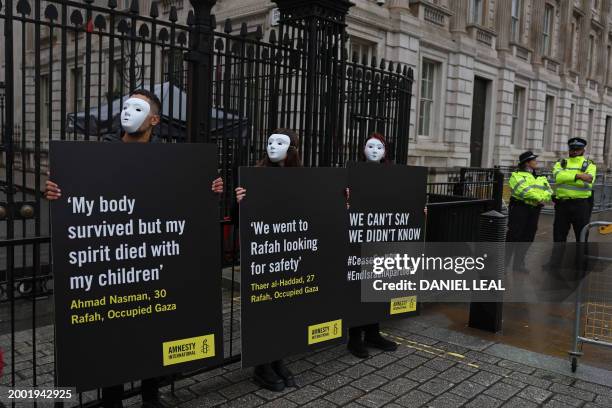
[(293, 228), (386, 205), (136, 261)]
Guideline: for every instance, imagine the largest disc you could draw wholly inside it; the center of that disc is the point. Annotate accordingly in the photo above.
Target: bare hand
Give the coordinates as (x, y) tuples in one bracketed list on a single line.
[(240, 194), (584, 177), (347, 195), (425, 211), (52, 190), (217, 186)]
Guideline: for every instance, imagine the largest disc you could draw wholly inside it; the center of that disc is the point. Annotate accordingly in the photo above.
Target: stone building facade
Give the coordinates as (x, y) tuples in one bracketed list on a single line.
[(494, 77)]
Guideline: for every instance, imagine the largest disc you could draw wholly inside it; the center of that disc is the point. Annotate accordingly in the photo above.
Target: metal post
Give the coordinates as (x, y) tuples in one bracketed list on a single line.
[(492, 233), (321, 25), (200, 58)]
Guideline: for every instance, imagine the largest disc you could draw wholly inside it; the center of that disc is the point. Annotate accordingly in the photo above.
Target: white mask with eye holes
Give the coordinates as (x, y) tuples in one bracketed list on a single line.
[(277, 148), (374, 150), (134, 113)]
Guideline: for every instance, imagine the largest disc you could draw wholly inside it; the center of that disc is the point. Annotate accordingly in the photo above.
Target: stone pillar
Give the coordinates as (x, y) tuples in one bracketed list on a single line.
[(537, 26), (398, 5), (585, 32), (566, 37), (503, 22), (459, 20), (602, 53)]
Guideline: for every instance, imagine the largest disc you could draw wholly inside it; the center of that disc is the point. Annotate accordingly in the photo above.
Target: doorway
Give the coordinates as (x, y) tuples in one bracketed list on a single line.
[(479, 111)]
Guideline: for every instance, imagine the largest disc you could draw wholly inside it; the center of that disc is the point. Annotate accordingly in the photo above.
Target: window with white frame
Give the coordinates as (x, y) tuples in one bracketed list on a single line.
[(362, 49), (477, 12), (518, 106), (516, 21), (547, 31), (427, 97), (45, 102), (549, 119)]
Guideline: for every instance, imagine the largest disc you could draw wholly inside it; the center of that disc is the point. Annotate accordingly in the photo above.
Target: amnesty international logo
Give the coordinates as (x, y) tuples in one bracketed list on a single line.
[(403, 305), (184, 350), (324, 331)]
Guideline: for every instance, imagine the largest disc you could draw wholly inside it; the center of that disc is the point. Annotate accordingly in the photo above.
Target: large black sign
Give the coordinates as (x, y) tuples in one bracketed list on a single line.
[(293, 228), (136, 261), (386, 205)]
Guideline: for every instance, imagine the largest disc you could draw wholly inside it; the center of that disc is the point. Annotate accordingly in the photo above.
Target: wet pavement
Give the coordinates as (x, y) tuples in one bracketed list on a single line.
[(433, 367)]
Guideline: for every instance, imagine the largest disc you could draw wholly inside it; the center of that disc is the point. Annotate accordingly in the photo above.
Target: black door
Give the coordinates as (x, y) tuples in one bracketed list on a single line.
[(479, 107)]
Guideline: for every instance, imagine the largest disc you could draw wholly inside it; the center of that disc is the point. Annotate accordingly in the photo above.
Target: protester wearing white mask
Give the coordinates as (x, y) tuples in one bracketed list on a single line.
[(140, 114), (134, 113), (374, 150), (281, 151)]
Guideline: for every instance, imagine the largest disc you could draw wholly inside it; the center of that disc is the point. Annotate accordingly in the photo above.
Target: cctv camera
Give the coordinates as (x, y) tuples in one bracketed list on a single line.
[(381, 2)]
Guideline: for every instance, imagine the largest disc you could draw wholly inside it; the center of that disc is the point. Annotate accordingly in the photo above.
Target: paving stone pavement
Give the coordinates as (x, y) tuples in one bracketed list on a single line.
[(425, 371)]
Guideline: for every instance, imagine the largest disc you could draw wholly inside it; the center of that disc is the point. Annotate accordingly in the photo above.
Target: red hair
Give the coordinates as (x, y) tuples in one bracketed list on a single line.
[(380, 138)]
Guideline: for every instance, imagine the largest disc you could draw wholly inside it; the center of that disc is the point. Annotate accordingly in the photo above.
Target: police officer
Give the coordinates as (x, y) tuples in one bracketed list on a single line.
[(529, 193), (574, 178)]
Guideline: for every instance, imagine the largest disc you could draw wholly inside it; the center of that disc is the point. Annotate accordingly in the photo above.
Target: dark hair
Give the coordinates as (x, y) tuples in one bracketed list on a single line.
[(380, 138), (153, 99), (293, 155)]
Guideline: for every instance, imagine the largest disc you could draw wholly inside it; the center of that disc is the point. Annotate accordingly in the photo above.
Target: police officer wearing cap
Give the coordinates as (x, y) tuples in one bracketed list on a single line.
[(574, 178), (529, 193)]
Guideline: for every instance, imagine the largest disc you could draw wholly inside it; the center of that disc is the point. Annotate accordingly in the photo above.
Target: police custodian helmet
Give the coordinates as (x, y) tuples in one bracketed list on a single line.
[(577, 143), (525, 157)]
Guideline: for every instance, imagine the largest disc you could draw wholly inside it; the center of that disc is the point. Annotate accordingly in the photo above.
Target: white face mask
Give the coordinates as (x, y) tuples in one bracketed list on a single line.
[(374, 150), (134, 113), (277, 147)]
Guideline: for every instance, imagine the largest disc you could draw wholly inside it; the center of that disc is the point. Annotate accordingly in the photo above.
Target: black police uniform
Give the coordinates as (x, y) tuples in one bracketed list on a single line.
[(522, 222)]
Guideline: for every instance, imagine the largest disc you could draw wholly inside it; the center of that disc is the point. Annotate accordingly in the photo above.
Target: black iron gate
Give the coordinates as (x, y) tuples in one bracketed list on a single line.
[(68, 65)]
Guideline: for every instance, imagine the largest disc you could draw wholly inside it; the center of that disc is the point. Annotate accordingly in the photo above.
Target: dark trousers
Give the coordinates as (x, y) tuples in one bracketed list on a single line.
[(522, 227), (568, 213), (112, 396), (369, 330), (571, 213)]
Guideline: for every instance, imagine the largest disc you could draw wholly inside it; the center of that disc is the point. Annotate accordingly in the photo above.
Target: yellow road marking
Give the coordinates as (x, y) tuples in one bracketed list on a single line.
[(431, 350)]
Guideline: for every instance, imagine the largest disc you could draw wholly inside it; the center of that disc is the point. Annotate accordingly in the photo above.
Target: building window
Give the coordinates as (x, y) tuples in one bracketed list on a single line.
[(517, 115), (591, 55), (477, 12), (516, 21), (591, 121), (608, 55), (362, 50), (549, 118), (76, 81), (427, 101), (174, 71), (572, 125), (547, 31), (45, 102), (595, 4)]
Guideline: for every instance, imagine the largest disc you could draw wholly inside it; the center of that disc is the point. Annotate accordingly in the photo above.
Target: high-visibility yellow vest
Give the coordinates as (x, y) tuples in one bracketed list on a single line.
[(564, 173), (529, 189)]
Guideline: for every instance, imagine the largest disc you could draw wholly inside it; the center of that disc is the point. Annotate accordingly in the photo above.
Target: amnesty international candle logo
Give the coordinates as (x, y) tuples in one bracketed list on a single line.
[(403, 305), (194, 348), (318, 333)]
